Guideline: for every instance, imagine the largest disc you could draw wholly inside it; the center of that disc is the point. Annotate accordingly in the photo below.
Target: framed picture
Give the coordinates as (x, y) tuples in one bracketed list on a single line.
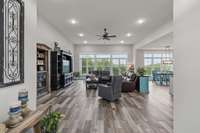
[(11, 42)]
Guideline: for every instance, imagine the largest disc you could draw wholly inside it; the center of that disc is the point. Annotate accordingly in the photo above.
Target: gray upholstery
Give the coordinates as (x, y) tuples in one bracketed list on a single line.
[(113, 91), (103, 76)]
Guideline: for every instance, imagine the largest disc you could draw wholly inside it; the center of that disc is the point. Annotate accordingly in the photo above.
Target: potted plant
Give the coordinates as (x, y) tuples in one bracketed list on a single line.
[(141, 71), (115, 71), (49, 124)]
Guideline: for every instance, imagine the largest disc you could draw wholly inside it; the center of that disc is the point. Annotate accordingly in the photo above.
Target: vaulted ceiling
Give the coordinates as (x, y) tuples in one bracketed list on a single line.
[(119, 16)]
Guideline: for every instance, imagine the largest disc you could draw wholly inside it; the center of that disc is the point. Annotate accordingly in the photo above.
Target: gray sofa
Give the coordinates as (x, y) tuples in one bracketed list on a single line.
[(112, 91), (103, 76)]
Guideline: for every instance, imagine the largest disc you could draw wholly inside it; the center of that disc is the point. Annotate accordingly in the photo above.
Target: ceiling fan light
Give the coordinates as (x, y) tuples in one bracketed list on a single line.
[(141, 21), (85, 42), (122, 41), (73, 21), (81, 34), (128, 34)]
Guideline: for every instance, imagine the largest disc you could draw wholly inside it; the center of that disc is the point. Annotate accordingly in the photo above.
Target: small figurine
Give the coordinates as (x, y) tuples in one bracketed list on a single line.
[(56, 48)]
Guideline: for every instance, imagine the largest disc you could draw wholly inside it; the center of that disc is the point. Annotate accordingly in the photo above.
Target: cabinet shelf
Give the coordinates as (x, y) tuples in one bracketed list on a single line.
[(42, 70), (41, 58), (41, 88)]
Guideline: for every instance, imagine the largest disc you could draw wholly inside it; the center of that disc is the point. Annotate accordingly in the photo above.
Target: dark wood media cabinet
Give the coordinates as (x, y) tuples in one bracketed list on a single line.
[(61, 69)]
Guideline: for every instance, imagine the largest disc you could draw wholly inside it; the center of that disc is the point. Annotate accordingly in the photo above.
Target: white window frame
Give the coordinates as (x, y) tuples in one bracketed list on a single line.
[(123, 56)]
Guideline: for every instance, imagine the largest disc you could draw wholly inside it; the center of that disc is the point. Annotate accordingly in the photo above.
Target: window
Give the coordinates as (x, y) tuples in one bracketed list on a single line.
[(107, 56), (152, 61), (156, 61), (123, 62), (148, 55), (116, 63), (119, 56), (157, 55), (147, 61)]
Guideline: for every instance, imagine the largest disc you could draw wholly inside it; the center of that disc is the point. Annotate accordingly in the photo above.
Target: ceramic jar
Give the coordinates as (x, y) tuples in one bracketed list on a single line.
[(14, 115), (23, 97)]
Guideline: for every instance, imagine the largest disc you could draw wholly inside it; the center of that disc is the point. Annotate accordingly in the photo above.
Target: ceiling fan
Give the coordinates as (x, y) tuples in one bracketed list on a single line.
[(106, 36)]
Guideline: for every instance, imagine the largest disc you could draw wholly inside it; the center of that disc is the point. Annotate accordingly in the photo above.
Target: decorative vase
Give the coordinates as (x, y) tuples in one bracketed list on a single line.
[(3, 128), (14, 115), (23, 97)]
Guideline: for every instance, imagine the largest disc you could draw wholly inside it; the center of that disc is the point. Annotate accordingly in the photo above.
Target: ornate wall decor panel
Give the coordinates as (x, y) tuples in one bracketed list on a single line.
[(11, 42)]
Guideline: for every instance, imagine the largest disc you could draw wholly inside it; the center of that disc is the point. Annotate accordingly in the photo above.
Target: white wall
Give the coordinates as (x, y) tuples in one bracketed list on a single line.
[(156, 41), (187, 66), (37, 30), (160, 43), (139, 62), (134, 54), (163, 30), (10, 94), (48, 34), (102, 49)]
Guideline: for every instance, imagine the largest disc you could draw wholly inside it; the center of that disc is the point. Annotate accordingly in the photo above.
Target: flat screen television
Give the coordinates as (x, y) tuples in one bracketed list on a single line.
[(66, 66)]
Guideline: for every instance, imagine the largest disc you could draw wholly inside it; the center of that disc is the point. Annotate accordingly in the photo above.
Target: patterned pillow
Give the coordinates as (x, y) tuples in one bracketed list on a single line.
[(133, 76)]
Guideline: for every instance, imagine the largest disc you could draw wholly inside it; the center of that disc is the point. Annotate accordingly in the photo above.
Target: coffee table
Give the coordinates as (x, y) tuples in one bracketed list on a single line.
[(92, 83)]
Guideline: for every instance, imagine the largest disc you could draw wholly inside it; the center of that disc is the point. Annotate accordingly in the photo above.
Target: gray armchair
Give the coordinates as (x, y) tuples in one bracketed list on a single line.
[(113, 91)]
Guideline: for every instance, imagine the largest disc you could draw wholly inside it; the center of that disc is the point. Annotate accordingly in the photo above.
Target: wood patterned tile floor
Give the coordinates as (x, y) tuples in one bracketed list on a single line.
[(85, 112)]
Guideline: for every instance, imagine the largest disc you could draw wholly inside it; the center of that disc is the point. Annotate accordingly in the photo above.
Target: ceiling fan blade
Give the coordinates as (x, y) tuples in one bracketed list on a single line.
[(112, 36), (106, 35), (107, 38)]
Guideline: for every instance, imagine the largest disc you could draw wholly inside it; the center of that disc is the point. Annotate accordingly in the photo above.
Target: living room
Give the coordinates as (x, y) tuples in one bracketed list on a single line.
[(99, 66)]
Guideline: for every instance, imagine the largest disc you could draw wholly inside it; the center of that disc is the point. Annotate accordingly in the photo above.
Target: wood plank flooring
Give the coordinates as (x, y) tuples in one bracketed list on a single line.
[(85, 112)]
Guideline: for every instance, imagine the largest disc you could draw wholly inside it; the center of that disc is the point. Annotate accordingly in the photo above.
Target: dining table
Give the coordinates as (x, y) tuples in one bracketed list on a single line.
[(162, 78)]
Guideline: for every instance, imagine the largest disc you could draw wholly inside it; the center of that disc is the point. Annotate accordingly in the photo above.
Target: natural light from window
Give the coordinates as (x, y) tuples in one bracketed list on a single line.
[(115, 63), (153, 61)]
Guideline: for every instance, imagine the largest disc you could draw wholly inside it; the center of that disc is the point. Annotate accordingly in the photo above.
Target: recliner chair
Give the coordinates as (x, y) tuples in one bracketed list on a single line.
[(105, 77), (112, 91), (129, 86)]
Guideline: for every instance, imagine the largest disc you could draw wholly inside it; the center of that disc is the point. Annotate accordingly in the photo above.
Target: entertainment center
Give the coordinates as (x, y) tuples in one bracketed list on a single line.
[(61, 69)]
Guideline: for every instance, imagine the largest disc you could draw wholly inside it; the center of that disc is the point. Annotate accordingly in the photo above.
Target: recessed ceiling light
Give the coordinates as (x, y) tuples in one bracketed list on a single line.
[(141, 21), (73, 21), (128, 34), (85, 42), (122, 41), (81, 34)]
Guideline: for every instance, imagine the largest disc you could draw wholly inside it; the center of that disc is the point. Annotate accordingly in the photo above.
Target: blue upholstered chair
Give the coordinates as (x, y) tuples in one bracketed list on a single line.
[(112, 91)]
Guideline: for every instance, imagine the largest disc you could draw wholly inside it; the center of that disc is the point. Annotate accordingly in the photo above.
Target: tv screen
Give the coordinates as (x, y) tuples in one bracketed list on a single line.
[(66, 66)]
